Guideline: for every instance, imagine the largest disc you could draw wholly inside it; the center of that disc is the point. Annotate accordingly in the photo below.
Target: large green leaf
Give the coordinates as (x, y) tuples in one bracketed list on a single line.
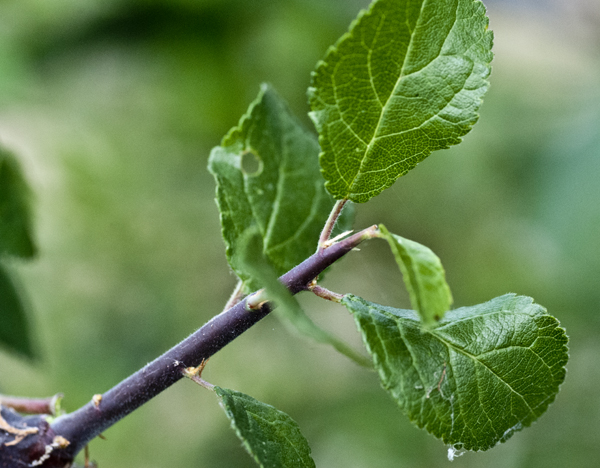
[(485, 372), (283, 194), (14, 329), (423, 276), (288, 309), (406, 80), (15, 219), (269, 435)]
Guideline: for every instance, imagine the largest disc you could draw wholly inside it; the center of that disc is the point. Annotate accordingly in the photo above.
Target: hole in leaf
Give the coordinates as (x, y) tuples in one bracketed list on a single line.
[(251, 163)]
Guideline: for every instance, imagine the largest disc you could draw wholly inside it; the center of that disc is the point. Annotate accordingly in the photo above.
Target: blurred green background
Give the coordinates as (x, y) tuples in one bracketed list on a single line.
[(112, 108)]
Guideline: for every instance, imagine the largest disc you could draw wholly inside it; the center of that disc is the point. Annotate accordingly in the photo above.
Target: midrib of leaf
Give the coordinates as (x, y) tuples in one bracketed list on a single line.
[(275, 207), (369, 59), (376, 135)]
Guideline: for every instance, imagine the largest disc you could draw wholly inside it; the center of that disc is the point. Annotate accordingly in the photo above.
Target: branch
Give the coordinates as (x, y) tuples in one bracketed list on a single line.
[(32, 405), (89, 421)]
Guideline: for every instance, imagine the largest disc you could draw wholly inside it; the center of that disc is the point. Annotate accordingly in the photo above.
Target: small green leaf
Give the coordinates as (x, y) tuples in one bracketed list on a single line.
[(288, 309), (423, 275), (267, 176), (485, 372), (269, 435), (14, 329), (15, 219), (406, 80)]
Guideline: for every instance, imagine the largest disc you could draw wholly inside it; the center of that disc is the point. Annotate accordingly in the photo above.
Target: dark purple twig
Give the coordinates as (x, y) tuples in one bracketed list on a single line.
[(89, 421)]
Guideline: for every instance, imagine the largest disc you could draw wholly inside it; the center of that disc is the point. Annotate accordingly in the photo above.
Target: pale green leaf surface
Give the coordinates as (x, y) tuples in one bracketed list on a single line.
[(15, 219), (269, 435), (406, 80), (423, 276), (485, 372), (288, 309), (285, 197), (14, 329)]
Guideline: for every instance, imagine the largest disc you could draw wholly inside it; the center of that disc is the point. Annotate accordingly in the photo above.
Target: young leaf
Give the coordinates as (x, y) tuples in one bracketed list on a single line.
[(288, 309), (14, 329), (15, 220), (269, 435), (485, 372), (406, 80), (423, 276), (282, 194)]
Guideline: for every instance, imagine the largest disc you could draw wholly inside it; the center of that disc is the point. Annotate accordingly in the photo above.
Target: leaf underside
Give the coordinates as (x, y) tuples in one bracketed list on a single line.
[(484, 373), (269, 435), (406, 80), (284, 196), (423, 276)]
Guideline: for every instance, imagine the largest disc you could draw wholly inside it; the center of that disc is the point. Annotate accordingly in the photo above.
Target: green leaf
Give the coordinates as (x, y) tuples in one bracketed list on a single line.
[(14, 329), (15, 218), (267, 176), (406, 80), (423, 276), (269, 435), (288, 309), (485, 372)]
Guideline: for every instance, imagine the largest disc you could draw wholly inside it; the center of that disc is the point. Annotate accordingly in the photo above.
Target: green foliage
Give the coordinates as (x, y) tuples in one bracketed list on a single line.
[(257, 265), (423, 276), (283, 194), (269, 435), (484, 373), (406, 80)]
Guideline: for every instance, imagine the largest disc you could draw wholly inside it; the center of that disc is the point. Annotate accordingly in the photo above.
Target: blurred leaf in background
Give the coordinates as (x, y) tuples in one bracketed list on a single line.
[(14, 329), (16, 240), (16, 237), (112, 108)]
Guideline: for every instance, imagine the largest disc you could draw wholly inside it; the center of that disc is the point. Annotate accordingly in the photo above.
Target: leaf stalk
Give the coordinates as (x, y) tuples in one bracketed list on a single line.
[(330, 224)]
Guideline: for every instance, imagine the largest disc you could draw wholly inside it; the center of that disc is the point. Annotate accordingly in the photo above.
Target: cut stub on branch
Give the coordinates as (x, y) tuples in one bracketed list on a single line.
[(29, 441)]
